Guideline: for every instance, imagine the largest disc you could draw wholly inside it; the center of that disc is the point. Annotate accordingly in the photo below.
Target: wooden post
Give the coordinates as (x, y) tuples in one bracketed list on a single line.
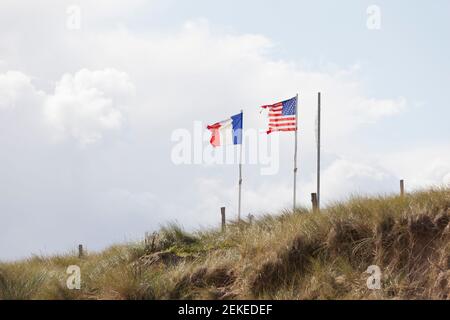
[(402, 188), (314, 202), (80, 251), (250, 218), (222, 212)]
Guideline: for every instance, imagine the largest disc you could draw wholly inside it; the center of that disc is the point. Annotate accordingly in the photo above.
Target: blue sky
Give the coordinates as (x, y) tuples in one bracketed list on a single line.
[(87, 114), (407, 57)]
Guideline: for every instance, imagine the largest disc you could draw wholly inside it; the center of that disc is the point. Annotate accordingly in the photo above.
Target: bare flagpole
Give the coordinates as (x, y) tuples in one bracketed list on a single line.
[(318, 150), (295, 154), (240, 170)]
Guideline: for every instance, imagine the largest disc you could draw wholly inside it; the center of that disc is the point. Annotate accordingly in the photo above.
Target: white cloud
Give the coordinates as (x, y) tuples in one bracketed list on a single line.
[(15, 89), (345, 177), (341, 179), (420, 166), (88, 104), (213, 193), (447, 179)]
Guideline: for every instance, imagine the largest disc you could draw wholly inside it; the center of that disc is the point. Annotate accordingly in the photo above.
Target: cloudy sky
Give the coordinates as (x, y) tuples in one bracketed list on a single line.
[(91, 95)]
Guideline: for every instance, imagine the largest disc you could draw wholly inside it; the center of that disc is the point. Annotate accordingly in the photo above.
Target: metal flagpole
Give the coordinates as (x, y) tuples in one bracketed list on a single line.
[(318, 151), (240, 171), (295, 153)]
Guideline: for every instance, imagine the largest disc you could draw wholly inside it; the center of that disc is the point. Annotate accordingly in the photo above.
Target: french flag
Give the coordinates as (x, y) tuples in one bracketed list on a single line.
[(227, 132)]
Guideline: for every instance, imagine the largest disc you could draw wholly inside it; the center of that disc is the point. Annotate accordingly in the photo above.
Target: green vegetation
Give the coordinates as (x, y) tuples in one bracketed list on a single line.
[(297, 255)]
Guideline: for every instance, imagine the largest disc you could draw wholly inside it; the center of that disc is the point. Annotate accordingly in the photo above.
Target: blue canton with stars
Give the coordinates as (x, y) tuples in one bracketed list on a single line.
[(289, 107)]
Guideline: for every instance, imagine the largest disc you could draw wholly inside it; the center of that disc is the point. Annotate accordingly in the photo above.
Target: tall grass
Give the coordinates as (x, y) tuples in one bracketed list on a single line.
[(297, 255), (17, 282)]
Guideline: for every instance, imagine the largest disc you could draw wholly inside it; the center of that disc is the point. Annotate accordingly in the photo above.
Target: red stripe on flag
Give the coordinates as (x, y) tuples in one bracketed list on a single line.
[(278, 104), (277, 130), (281, 124), (282, 119), (215, 135)]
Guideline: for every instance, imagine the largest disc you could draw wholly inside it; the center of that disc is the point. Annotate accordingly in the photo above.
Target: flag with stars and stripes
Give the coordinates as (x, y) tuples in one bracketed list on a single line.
[(282, 116)]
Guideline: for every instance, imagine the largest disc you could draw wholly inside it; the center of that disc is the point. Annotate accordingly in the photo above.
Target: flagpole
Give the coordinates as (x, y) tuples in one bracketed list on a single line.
[(318, 149), (295, 154), (240, 171)]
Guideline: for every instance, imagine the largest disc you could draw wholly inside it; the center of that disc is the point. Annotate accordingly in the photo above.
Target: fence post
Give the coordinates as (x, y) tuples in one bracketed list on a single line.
[(314, 202), (402, 188), (250, 218), (222, 212), (80, 251)]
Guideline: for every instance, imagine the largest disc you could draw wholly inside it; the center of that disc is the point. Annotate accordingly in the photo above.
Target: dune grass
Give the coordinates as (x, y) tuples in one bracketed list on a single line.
[(293, 255)]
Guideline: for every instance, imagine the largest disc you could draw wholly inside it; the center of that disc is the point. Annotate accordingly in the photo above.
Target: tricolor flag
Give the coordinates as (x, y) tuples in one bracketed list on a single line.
[(227, 132), (282, 116)]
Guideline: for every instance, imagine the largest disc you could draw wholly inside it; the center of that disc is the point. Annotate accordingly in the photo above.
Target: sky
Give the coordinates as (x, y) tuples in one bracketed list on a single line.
[(94, 98)]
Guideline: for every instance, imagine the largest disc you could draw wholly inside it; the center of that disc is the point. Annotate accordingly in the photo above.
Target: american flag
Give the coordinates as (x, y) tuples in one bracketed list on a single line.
[(282, 116)]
